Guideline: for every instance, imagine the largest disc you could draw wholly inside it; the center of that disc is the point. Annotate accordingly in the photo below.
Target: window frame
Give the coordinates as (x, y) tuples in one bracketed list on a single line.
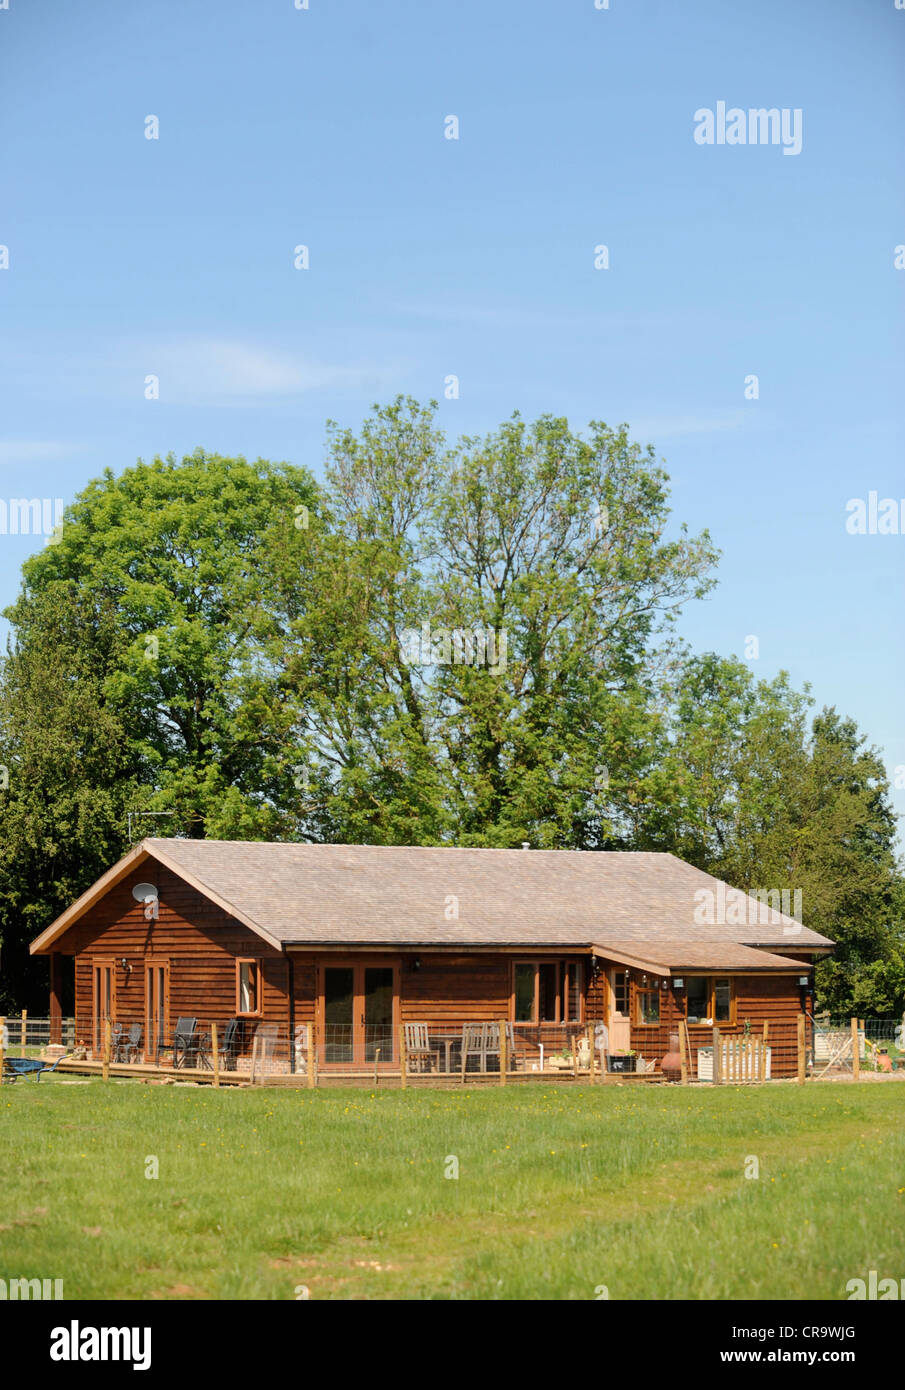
[(254, 961), (640, 992), (712, 981), (564, 967)]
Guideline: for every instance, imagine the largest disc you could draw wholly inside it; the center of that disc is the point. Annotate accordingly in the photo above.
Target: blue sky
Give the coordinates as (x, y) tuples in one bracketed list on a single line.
[(475, 257)]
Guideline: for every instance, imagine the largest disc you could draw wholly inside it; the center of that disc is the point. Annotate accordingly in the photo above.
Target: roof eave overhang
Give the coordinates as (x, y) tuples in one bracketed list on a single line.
[(113, 876), (442, 947), (92, 895), (784, 948)]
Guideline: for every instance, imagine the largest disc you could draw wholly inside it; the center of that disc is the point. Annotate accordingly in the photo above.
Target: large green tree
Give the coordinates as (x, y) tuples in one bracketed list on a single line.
[(749, 788), (203, 563), (550, 548), (66, 778), (467, 642)]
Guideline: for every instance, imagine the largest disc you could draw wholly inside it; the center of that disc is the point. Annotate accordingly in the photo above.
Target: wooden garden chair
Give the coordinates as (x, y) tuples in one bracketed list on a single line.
[(482, 1040), (418, 1048), (472, 1044)]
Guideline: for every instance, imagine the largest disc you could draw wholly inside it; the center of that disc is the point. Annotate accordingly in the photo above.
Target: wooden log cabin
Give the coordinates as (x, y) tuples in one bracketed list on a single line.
[(357, 940)]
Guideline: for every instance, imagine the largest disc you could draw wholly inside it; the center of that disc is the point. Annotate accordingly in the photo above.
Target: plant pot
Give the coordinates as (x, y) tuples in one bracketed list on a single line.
[(671, 1065), (621, 1064)]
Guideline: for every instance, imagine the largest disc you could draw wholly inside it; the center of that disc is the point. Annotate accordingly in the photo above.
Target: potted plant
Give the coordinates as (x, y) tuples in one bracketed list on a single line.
[(622, 1061)]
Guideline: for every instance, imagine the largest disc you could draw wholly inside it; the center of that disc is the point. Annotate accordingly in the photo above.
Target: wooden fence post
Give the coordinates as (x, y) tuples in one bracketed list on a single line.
[(24, 1031), (216, 1057), (763, 1054), (309, 1038), (403, 1057), (717, 1059), (504, 1059), (856, 1052), (106, 1065), (254, 1060), (591, 1072), (802, 1051), (683, 1051)]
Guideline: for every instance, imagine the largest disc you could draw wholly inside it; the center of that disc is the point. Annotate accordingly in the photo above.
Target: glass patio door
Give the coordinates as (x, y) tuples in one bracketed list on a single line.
[(339, 1013), (378, 994), (157, 1001), (358, 1012), (103, 990)]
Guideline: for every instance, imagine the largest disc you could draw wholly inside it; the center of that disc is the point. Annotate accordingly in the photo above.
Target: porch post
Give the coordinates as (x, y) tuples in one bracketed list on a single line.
[(56, 999)]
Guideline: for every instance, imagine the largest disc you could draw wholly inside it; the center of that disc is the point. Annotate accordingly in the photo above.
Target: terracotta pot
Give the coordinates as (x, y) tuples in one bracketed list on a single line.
[(671, 1066)]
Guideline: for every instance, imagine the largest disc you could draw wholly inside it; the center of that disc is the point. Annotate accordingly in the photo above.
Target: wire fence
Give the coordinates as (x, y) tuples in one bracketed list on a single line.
[(462, 1051), (37, 1033), (842, 1046)]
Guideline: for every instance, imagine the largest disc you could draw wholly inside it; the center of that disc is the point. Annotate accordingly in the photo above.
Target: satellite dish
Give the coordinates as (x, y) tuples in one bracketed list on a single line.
[(142, 891)]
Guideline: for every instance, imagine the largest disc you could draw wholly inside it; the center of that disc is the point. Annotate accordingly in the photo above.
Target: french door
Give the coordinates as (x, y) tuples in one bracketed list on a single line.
[(103, 1000), (157, 1008), (358, 1007)]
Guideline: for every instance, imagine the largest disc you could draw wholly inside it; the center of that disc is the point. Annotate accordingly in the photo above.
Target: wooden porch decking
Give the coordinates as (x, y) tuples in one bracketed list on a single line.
[(139, 1071)]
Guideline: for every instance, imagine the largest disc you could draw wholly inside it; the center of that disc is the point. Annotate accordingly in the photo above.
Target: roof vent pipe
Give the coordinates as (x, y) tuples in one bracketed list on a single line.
[(526, 844)]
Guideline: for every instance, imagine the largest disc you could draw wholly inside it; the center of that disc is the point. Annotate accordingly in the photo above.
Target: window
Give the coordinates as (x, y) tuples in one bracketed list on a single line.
[(620, 992), (722, 1001), (573, 990), (548, 991), (248, 988), (524, 994), (709, 1000), (697, 999), (649, 1005)]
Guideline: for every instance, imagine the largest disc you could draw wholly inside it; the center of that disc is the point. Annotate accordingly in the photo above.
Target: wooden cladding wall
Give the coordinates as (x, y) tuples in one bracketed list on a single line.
[(446, 989), (451, 989), (199, 941), (773, 999)]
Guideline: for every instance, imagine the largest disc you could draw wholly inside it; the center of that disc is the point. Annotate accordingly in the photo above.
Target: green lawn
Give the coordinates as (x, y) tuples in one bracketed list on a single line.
[(561, 1190)]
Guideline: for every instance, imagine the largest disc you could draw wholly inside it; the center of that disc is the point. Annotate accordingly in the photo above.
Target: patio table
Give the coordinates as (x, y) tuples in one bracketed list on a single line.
[(448, 1041)]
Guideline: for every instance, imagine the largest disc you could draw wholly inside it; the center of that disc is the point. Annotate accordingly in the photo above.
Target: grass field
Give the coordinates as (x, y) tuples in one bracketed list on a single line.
[(560, 1190)]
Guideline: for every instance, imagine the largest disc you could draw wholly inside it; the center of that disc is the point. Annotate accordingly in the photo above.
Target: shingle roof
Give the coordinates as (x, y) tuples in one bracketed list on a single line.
[(360, 895), (693, 955)]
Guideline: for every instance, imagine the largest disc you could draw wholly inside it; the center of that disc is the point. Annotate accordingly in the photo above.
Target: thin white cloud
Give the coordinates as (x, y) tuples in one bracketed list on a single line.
[(199, 370), (656, 428), (16, 451)]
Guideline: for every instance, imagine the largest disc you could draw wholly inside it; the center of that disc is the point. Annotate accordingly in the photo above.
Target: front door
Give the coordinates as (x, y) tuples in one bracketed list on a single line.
[(157, 1004), (358, 1010), (103, 1004), (620, 1018)]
